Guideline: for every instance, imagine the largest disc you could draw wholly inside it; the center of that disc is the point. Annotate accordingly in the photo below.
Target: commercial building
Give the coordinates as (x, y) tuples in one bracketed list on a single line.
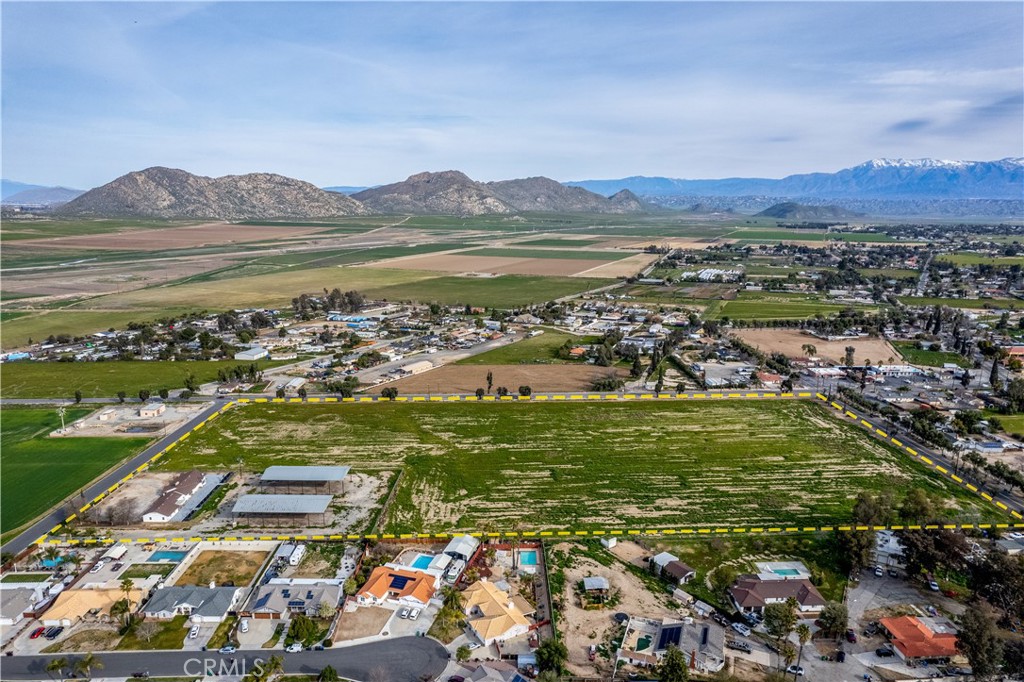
[(252, 354)]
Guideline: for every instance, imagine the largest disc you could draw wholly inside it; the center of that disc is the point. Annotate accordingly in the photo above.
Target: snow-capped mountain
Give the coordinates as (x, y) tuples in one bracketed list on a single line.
[(878, 178)]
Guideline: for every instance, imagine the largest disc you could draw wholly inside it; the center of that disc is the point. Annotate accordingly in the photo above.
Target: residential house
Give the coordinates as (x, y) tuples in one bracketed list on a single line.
[(646, 640), (398, 585), (15, 602), (678, 572), (596, 589), (174, 497), (751, 594), (493, 615), (70, 606), (921, 639), (200, 604), (658, 562), (280, 601)]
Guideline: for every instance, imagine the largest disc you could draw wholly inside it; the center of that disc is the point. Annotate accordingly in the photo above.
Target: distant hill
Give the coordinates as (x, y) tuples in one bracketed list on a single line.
[(43, 196), (454, 193), (11, 187), (344, 189), (171, 193), (876, 179), (793, 211)]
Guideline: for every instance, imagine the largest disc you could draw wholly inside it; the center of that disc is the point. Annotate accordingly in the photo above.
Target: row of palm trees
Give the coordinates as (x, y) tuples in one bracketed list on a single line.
[(82, 666)]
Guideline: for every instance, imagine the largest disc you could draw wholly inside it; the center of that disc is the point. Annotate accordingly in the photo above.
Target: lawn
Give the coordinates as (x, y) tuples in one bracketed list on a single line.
[(550, 253), (889, 273), (968, 303), (25, 578), (143, 571), (105, 379), (929, 358), (531, 349), (968, 258), (580, 465), (170, 635), (758, 305), (39, 472), (507, 291), (1012, 423)]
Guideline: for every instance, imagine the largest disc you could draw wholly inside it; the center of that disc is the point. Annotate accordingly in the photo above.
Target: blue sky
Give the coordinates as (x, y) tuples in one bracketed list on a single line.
[(359, 94)]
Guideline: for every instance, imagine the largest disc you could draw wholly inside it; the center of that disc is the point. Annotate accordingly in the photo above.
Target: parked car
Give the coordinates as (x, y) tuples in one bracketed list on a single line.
[(738, 645), (473, 645), (742, 629), (243, 625), (99, 566), (719, 618), (414, 614), (117, 567), (893, 573), (37, 633), (851, 636), (56, 633), (795, 670), (840, 656), (404, 613), (883, 652), (879, 572), (194, 632), (933, 586), (592, 652), (229, 649)]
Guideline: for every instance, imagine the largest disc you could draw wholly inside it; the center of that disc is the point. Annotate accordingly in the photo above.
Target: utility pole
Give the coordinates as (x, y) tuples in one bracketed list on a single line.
[(61, 410)]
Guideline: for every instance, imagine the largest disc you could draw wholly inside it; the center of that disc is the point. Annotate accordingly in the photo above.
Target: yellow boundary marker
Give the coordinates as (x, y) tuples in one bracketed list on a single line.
[(871, 428)]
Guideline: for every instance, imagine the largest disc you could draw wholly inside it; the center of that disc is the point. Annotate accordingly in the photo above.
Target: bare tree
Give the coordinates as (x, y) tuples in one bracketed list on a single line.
[(147, 629)]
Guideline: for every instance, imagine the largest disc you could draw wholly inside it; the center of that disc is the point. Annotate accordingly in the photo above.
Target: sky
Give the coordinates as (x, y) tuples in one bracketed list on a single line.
[(369, 93)]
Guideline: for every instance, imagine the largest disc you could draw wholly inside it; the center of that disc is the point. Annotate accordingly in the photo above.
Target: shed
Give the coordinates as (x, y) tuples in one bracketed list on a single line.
[(282, 508), (462, 547), (252, 354), (303, 477)]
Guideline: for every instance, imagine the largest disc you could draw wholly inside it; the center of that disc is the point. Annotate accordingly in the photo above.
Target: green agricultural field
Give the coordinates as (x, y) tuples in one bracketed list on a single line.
[(533, 349), (762, 305), (929, 358), (780, 235), (105, 379), (506, 291), (550, 253), (39, 472), (967, 258), (559, 243), (39, 324), (470, 466), (889, 273), (966, 303)]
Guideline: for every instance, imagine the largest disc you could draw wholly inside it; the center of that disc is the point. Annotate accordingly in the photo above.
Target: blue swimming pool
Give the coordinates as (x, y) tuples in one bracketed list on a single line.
[(787, 572), (528, 557), (422, 561), (167, 556)]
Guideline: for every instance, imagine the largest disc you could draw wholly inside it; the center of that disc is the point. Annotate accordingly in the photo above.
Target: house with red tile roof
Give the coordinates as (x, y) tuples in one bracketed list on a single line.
[(921, 639)]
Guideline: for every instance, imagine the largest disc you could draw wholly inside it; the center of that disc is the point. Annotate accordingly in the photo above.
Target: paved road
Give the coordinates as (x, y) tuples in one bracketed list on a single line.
[(404, 659), (56, 515)]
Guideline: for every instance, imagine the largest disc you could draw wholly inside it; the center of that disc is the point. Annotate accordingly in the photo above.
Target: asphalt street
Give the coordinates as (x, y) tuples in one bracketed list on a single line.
[(56, 515), (405, 659)]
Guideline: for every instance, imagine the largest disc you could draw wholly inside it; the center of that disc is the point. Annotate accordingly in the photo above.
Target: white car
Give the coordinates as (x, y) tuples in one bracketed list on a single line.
[(99, 566), (243, 625), (194, 632), (473, 645), (414, 614), (294, 648), (742, 629), (795, 670), (404, 613)]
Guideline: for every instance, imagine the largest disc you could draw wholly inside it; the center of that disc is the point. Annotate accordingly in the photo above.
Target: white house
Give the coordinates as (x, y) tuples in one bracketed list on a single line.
[(200, 604), (660, 561)]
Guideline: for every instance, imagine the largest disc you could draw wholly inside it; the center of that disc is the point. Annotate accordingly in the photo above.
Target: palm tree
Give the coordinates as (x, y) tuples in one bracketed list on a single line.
[(86, 663), (788, 654), (76, 560), (51, 554), (57, 665), (127, 586), (803, 633), (272, 667)]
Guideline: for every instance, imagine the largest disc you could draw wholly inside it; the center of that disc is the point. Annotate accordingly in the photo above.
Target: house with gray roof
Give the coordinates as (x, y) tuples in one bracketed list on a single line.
[(200, 604), (281, 601)]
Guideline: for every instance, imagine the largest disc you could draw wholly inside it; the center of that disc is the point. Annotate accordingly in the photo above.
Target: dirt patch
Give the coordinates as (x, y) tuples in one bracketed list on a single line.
[(363, 622), (139, 494), (222, 567), (99, 638), (182, 237), (585, 627), (626, 267), (631, 553), (468, 378), (790, 342)]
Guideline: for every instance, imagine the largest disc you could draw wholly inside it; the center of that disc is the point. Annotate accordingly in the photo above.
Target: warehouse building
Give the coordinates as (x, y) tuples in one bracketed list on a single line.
[(284, 510)]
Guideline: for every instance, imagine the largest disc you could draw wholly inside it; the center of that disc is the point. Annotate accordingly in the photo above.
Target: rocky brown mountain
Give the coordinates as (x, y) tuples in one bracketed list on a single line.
[(170, 193), (545, 194)]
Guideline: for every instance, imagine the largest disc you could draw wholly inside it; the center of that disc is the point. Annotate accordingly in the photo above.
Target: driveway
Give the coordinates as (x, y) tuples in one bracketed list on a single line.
[(260, 631), (403, 627)]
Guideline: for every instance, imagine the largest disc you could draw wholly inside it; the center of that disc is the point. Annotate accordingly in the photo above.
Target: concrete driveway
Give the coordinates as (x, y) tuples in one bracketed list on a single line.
[(260, 631), (403, 627), (206, 631)]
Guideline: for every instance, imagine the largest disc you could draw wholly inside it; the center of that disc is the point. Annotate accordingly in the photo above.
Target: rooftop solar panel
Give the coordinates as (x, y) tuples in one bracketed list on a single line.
[(671, 634), (398, 582)]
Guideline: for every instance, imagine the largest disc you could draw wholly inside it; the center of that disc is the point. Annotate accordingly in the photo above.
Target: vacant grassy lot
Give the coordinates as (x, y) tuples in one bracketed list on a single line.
[(929, 358), (572, 254), (39, 324), (170, 635), (558, 243), (222, 567), (105, 379), (540, 349), (580, 465), (889, 273), (39, 472), (967, 303), (758, 305), (967, 258)]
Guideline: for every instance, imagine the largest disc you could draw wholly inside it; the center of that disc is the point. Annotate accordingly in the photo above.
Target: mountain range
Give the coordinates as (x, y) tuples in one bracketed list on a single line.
[(875, 179)]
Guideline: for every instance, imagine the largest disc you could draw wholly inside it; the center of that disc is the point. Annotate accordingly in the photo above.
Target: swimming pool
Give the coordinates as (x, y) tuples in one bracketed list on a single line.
[(422, 561), (167, 556), (528, 557), (785, 571)]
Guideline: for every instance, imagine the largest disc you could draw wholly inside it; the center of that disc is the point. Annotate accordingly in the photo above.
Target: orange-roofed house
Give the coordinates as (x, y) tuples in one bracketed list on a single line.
[(921, 639), (390, 584), (493, 615)]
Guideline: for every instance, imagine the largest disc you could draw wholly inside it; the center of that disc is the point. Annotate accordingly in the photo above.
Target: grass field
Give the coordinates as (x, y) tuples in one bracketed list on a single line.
[(889, 273), (105, 379), (929, 358), (550, 253), (967, 303), (967, 258), (1012, 423), (531, 349), (39, 472), (38, 325), (478, 465), (562, 243), (757, 305)]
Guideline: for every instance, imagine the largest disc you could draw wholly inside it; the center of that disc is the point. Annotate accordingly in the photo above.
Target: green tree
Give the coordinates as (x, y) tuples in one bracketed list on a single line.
[(87, 663), (552, 655), (144, 394), (121, 395), (390, 393), (126, 586), (673, 667), (803, 633), (979, 641), (328, 674), (834, 618), (302, 392), (78, 399), (462, 654), (303, 629), (788, 654), (525, 391), (350, 587), (164, 394), (637, 369), (490, 380), (722, 578), (779, 619), (57, 665)]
